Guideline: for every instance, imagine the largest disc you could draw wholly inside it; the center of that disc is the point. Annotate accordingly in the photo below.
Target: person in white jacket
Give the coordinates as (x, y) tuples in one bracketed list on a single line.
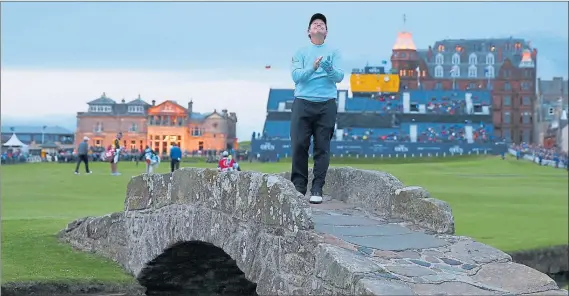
[(152, 160)]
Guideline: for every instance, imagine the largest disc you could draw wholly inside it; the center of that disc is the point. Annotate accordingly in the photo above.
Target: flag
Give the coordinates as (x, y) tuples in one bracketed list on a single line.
[(453, 69), (267, 66), (417, 69), (384, 62)]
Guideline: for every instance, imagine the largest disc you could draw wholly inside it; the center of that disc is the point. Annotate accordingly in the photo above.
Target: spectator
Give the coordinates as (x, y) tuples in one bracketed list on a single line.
[(82, 156), (175, 157)]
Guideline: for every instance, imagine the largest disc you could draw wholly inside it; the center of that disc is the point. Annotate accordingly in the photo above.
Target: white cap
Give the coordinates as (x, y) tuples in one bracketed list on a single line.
[(85, 138), (225, 153)]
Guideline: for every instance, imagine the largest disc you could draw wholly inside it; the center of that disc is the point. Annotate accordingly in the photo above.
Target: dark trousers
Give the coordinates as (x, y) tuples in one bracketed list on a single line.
[(174, 165), (82, 158), (317, 120)]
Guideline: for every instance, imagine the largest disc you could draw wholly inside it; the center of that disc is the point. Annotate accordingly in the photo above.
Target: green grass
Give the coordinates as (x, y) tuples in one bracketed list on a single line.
[(510, 205)]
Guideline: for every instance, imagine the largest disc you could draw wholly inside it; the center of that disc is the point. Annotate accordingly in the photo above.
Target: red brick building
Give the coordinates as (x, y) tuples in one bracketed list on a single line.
[(507, 67), (105, 118)]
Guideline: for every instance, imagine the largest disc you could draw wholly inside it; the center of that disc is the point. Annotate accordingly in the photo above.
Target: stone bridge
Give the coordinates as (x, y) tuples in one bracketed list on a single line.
[(200, 232)]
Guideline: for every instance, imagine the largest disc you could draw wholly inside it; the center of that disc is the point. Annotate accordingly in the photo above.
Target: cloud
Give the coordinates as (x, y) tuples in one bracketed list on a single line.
[(44, 94)]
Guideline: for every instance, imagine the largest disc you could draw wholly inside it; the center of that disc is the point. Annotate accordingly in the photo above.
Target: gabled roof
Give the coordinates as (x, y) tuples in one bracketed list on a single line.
[(138, 101), (103, 100), (170, 103)]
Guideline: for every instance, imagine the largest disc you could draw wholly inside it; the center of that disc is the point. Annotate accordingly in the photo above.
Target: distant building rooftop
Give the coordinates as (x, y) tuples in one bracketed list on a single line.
[(49, 130)]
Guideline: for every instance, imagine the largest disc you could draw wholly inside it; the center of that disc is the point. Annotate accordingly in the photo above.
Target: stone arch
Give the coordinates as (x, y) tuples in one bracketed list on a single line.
[(257, 219), (195, 268)]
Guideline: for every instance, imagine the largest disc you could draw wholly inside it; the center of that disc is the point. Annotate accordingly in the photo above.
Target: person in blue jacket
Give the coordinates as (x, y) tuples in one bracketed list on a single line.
[(175, 157), (315, 70)]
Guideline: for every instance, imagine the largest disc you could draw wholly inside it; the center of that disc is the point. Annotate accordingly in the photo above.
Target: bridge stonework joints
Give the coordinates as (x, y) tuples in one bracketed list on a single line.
[(371, 236)]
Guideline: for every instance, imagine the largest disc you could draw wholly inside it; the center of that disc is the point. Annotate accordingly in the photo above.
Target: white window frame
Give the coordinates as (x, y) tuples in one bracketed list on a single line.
[(100, 109), (455, 73), (135, 109), (455, 59), (472, 71), (490, 73), (133, 127), (439, 71), (473, 59), (98, 128), (490, 59), (439, 59)]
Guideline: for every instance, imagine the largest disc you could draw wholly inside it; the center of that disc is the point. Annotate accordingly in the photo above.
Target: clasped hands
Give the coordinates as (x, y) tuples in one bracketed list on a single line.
[(325, 64)]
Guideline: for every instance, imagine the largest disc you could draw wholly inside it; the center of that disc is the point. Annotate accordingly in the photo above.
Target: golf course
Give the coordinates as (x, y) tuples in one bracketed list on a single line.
[(508, 204)]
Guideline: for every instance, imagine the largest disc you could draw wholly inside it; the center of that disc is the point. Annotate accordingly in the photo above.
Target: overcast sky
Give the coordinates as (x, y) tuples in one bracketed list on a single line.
[(58, 56)]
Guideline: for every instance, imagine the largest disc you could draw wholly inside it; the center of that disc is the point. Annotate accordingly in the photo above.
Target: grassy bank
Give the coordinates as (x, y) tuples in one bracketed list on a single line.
[(510, 205)]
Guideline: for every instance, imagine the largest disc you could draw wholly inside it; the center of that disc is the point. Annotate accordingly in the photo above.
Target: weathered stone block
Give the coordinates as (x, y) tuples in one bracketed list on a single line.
[(414, 204), (515, 278), (473, 252), (340, 267), (367, 286), (371, 190)]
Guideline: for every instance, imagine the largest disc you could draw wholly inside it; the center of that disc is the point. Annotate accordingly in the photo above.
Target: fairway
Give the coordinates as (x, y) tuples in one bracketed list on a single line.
[(509, 204)]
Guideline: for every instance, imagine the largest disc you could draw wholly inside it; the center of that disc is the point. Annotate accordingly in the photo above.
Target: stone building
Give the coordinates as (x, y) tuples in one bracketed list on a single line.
[(105, 118), (505, 66), (155, 125), (170, 122), (552, 100)]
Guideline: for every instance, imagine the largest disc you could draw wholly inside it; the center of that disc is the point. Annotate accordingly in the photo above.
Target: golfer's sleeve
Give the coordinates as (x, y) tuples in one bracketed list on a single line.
[(298, 70), (337, 74)]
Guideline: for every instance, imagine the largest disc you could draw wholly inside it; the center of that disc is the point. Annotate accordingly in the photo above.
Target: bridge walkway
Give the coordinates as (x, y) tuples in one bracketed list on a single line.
[(397, 258)]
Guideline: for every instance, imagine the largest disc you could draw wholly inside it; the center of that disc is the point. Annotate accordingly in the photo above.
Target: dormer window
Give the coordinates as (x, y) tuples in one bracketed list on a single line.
[(135, 109), (455, 59), (441, 48), (472, 59), (490, 59), (100, 109), (439, 59), (492, 48), (518, 46)]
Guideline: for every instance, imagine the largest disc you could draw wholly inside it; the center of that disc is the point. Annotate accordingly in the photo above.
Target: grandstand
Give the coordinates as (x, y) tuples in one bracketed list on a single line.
[(376, 122), (414, 116)]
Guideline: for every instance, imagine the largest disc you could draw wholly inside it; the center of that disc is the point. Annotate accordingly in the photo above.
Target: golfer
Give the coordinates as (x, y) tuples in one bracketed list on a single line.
[(315, 72)]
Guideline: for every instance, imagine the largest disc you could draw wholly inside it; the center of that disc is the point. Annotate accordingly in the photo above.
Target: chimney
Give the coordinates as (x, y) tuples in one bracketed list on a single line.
[(534, 54), (190, 107), (153, 102), (430, 54), (500, 54)]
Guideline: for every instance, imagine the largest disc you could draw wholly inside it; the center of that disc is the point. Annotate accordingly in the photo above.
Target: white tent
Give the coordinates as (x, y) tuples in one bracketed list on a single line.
[(14, 142)]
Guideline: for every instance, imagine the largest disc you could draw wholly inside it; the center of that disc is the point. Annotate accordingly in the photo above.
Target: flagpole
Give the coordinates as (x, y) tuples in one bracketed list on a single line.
[(487, 72), (418, 77)]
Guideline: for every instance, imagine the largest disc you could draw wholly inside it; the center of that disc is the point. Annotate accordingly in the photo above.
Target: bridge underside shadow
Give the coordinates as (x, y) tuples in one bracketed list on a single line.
[(195, 268)]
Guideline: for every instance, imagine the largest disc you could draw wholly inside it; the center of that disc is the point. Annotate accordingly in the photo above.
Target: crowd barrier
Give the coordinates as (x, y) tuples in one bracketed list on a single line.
[(273, 149), (533, 158)]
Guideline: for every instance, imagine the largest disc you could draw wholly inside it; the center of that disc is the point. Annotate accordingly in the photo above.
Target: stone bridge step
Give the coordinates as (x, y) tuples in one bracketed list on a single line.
[(394, 259)]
